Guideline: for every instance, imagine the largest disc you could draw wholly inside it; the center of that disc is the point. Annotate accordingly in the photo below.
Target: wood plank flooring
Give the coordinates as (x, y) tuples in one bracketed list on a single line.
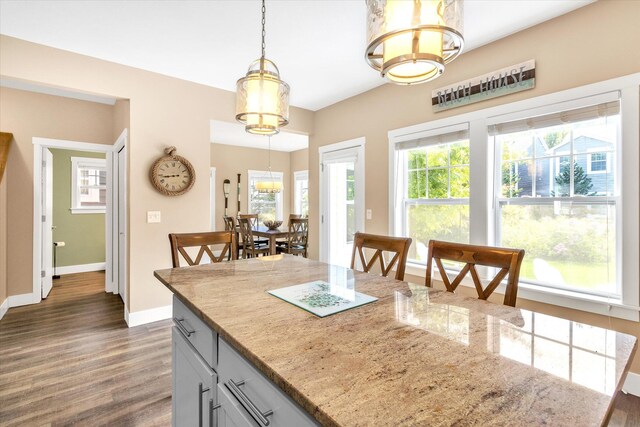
[(71, 360)]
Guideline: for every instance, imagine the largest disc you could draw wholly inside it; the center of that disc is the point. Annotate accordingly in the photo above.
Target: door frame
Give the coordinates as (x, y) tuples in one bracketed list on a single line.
[(113, 231), (212, 197), (39, 144), (358, 144)]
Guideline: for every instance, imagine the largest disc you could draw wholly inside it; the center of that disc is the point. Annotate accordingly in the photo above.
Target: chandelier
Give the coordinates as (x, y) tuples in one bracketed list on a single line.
[(268, 186), (262, 99), (410, 41)]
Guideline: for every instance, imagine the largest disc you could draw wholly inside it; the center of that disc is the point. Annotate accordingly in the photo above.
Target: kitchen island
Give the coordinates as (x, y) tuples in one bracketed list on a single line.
[(416, 356)]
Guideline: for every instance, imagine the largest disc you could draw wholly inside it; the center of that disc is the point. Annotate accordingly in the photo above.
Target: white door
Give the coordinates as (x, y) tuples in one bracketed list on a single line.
[(47, 223), (342, 200), (122, 223)]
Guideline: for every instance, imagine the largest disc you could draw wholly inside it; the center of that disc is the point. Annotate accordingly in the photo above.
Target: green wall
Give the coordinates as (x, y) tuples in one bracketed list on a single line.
[(83, 234)]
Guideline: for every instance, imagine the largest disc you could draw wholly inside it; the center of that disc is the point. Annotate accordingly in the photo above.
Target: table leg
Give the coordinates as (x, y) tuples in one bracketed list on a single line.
[(272, 245)]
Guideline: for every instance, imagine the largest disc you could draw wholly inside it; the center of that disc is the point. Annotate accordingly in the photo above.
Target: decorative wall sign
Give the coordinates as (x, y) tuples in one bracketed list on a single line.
[(492, 85)]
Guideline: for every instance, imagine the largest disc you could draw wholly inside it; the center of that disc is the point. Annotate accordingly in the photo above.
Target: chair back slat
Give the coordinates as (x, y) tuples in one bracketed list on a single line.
[(398, 246), (229, 223), (246, 231), (508, 261), (253, 219), (203, 241)]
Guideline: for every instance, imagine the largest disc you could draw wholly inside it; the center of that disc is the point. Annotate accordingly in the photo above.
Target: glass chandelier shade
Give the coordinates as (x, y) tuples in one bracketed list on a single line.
[(410, 41), (262, 99)]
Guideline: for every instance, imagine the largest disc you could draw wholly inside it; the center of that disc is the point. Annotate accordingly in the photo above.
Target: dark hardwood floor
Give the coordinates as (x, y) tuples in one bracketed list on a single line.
[(71, 360)]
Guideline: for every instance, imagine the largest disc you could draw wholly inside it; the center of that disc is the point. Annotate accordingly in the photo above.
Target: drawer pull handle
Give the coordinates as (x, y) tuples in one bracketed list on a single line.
[(183, 328), (201, 391), (259, 416), (212, 408)]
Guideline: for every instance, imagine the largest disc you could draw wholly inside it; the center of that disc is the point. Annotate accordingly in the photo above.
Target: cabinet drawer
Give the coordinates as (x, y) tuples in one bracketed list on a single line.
[(258, 397), (230, 413), (201, 336)]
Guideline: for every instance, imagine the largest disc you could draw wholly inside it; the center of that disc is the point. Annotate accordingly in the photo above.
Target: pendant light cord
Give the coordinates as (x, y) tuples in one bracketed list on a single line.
[(264, 32)]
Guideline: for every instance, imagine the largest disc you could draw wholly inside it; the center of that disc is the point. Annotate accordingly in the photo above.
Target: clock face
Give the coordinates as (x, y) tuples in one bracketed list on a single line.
[(173, 176)]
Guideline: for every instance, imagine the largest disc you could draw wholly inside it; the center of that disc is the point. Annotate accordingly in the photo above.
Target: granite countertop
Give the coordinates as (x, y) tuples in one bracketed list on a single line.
[(416, 356)]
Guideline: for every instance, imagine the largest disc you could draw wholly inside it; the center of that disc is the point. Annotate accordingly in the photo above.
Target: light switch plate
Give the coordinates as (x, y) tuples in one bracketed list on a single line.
[(153, 217), (369, 214)]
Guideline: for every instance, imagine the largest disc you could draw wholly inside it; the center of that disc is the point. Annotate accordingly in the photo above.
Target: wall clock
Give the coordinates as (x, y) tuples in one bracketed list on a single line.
[(172, 175)]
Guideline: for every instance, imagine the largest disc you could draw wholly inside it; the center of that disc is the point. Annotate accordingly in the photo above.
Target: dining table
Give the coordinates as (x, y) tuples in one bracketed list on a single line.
[(272, 235)]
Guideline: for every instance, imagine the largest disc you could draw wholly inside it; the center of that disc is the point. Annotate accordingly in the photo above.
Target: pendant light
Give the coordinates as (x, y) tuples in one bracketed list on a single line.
[(410, 41), (269, 186), (262, 99)]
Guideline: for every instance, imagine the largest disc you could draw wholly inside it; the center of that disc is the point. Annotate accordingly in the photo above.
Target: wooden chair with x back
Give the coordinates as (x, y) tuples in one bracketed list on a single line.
[(251, 247), (297, 237), (204, 240), (507, 260), (253, 223), (399, 246)]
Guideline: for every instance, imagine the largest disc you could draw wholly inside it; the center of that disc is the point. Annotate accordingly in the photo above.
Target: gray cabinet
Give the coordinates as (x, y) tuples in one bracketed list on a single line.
[(194, 386), (214, 385)]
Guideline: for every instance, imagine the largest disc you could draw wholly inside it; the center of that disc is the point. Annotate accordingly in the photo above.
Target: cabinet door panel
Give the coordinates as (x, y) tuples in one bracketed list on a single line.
[(230, 413), (194, 383)]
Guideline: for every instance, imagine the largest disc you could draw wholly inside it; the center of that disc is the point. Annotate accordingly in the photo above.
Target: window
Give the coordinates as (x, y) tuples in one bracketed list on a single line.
[(435, 190), (301, 193), (88, 185), (598, 163), (549, 202), (556, 175), (268, 206)]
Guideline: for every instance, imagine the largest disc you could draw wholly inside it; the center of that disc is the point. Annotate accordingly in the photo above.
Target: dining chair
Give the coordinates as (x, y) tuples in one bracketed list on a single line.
[(253, 222), (297, 238), (251, 247), (230, 225), (507, 260), (203, 240), (398, 246)]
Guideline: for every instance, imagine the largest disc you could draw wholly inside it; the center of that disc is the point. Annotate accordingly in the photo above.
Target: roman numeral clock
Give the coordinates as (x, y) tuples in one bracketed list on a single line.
[(172, 175)]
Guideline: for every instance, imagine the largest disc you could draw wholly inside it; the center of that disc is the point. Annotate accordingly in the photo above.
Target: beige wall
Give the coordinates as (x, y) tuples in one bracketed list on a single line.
[(29, 115), (83, 234), (564, 52), (163, 111)]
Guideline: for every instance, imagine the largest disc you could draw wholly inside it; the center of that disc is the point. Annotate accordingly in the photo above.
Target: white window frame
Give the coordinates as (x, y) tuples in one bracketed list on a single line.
[(297, 198), (256, 175), (482, 209), (76, 163), (593, 151)]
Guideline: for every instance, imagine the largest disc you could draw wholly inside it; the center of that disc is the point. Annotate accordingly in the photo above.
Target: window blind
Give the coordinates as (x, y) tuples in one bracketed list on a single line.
[(437, 136)]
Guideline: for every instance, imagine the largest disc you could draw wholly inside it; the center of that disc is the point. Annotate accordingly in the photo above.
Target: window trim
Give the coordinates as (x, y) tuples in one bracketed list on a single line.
[(77, 162), (302, 175), (482, 209), (253, 174)]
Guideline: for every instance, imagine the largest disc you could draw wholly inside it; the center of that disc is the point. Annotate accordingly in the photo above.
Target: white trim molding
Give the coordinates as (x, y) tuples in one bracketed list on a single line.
[(143, 317), (22, 299), (4, 307), (632, 384), (81, 268)]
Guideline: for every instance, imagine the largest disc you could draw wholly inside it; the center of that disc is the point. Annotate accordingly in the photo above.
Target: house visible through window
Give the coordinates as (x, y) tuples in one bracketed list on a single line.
[(267, 205), (557, 196), (88, 185)]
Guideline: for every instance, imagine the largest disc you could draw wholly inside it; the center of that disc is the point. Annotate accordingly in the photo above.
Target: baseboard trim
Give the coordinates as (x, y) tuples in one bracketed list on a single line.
[(143, 317), (19, 300), (632, 384), (81, 268), (4, 307)]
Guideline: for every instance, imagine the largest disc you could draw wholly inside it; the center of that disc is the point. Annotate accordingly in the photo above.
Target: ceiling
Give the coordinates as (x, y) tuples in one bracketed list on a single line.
[(317, 44), (234, 134)]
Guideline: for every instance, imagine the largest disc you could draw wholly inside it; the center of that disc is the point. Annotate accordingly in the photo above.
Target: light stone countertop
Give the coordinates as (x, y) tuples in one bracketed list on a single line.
[(416, 356)]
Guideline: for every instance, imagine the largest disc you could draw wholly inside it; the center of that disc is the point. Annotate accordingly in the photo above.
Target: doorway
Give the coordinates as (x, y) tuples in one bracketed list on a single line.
[(341, 199), (113, 185)]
